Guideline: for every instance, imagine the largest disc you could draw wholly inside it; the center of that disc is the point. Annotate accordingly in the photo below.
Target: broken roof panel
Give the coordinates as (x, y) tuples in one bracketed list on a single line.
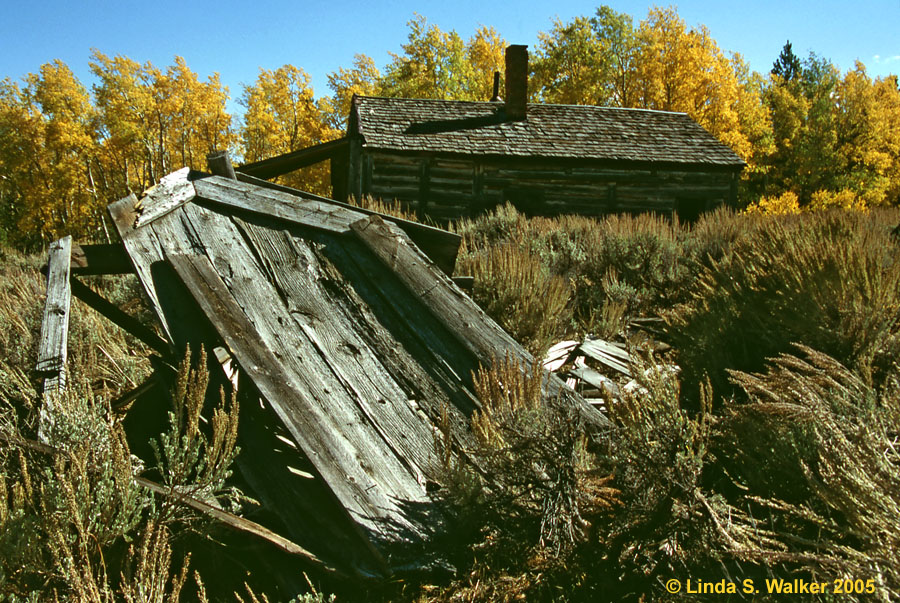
[(354, 339)]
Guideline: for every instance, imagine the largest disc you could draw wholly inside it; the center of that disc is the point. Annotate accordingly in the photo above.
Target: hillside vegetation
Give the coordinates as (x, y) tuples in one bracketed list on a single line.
[(772, 454)]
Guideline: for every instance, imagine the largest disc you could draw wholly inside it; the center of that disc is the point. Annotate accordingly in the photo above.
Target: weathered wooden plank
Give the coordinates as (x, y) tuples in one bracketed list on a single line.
[(284, 327), (595, 378), (339, 467), (282, 478), (230, 520), (52, 350), (118, 317), (335, 320), (241, 524), (219, 164), (326, 214), (481, 335), (278, 204), (608, 354), (558, 355), (172, 191), (289, 162), (362, 476), (454, 309), (144, 251)]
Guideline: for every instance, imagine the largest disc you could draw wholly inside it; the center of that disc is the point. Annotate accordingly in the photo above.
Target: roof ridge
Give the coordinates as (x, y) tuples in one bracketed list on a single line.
[(533, 104)]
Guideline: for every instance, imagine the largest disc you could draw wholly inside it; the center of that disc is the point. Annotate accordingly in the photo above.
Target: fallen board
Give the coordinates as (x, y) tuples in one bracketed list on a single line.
[(356, 342)]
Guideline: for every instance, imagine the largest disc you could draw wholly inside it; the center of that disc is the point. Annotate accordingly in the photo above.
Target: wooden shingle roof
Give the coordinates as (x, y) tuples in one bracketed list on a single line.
[(553, 131)]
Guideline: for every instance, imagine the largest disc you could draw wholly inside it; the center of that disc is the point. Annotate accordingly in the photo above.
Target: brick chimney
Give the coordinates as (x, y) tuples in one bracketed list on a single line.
[(516, 81)]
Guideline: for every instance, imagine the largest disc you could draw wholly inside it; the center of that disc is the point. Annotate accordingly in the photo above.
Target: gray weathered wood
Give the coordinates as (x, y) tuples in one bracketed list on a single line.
[(280, 315), (219, 164), (241, 524), (276, 204), (460, 186), (450, 305), (608, 354), (601, 382), (144, 250), (172, 191), (52, 351), (359, 479), (325, 214), (289, 162), (454, 309), (230, 520)]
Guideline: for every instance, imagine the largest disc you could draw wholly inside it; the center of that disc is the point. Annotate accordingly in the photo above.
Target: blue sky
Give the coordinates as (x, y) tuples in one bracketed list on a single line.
[(237, 38)]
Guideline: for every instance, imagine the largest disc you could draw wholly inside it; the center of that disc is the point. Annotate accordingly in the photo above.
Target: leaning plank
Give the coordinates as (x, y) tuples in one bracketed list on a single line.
[(219, 163), (442, 246), (55, 326), (352, 487), (144, 251), (283, 164), (474, 329), (327, 385), (276, 204)]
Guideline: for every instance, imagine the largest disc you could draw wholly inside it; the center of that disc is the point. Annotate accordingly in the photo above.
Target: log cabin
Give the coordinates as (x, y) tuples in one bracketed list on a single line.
[(447, 159)]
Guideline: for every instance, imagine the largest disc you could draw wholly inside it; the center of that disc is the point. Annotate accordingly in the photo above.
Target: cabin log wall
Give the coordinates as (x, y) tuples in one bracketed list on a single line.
[(448, 187)]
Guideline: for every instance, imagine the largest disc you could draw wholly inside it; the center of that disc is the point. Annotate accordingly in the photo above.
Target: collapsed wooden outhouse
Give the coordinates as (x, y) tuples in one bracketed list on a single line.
[(350, 340)]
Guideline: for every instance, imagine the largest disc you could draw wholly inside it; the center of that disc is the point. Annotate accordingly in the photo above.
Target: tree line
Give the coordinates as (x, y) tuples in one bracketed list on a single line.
[(811, 135)]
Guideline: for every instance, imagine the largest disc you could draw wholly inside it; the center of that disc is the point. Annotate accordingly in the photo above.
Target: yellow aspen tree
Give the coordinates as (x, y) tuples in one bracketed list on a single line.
[(47, 154), (569, 66), (362, 79), (283, 115), (485, 54), (868, 136), (155, 121)]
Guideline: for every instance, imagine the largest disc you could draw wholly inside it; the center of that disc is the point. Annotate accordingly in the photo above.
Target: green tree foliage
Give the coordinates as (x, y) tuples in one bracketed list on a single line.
[(570, 66), (787, 66), (834, 134)]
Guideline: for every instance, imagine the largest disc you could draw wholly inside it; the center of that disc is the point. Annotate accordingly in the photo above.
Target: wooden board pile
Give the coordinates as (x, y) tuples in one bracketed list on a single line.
[(342, 334)]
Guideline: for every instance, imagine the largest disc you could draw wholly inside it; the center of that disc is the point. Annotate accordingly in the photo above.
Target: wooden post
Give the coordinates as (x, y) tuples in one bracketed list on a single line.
[(52, 353), (219, 164)]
